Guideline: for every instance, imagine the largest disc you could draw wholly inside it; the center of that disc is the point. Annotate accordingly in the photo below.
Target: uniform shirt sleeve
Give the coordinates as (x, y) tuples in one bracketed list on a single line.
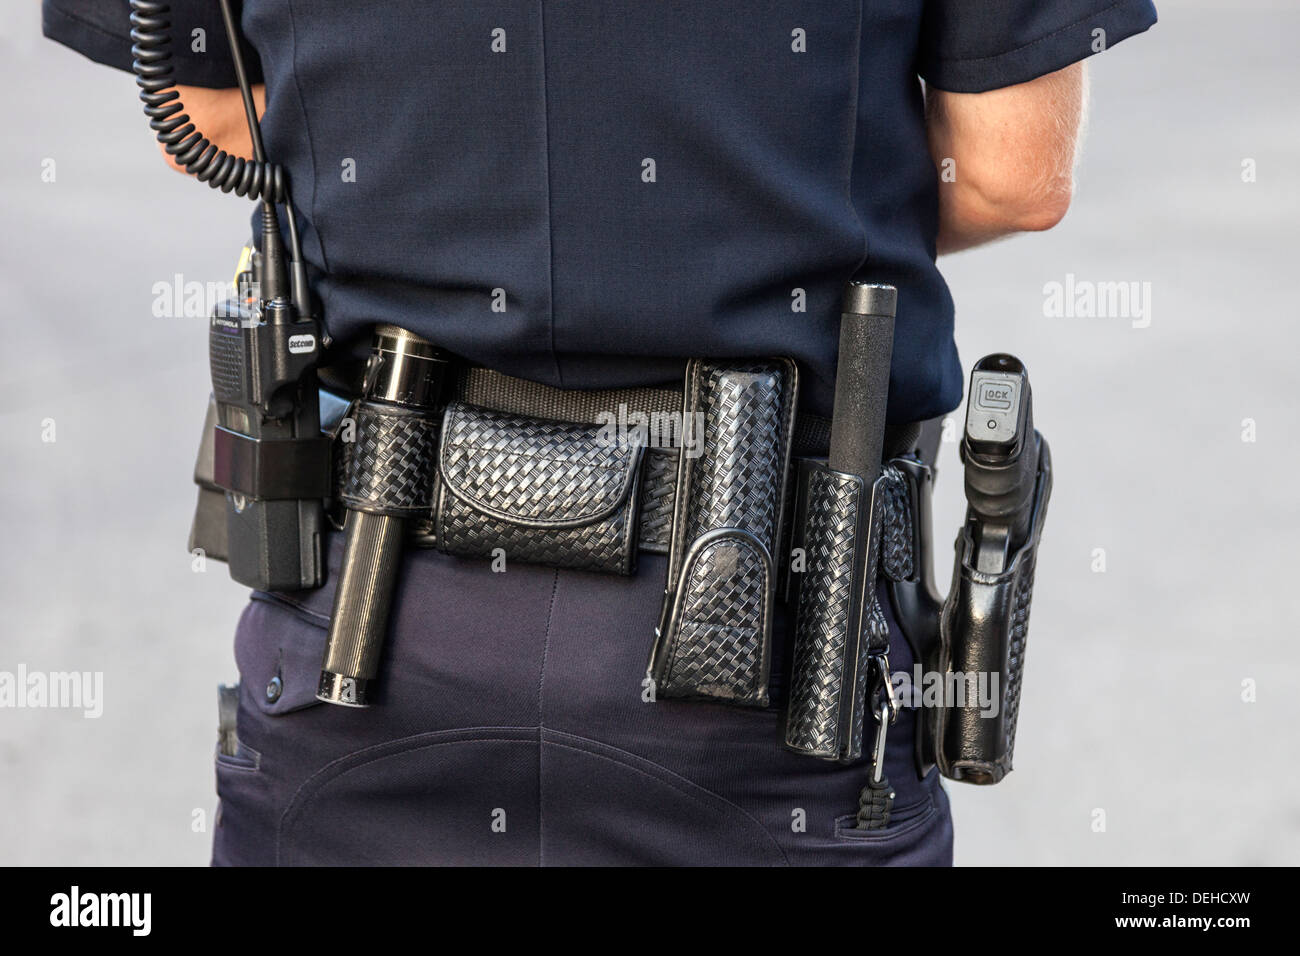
[(101, 30), (971, 46)]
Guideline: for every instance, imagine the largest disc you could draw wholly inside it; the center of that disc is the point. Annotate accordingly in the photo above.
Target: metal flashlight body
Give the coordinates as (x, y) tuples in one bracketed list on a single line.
[(404, 379)]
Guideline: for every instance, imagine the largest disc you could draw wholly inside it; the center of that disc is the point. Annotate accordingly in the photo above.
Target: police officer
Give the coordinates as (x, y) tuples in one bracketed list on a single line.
[(582, 195)]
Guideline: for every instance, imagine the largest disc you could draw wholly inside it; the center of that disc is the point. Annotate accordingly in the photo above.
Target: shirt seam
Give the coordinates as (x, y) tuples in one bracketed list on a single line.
[(858, 125), (311, 143), (541, 724), (550, 218)]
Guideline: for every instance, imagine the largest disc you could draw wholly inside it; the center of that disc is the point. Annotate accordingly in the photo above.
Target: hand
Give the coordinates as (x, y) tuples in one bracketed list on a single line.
[(219, 115)]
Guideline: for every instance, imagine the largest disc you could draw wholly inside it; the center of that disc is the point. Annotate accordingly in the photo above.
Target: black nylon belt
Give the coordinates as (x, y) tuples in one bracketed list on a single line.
[(495, 390)]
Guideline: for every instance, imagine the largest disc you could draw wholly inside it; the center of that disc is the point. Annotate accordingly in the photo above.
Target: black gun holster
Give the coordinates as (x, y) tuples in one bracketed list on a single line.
[(980, 628), (983, 631)]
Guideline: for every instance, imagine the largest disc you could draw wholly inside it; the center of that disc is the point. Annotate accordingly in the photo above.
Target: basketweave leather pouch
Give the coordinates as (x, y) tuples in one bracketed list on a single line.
[(537, 491), (715, 631)]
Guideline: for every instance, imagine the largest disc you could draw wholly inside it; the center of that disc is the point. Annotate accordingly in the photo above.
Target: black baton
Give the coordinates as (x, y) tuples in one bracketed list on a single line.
[(839, 629)]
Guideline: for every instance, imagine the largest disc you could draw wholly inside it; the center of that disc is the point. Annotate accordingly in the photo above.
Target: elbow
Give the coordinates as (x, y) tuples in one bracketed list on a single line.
[(971, 217), (978, 210), (1042, 211)]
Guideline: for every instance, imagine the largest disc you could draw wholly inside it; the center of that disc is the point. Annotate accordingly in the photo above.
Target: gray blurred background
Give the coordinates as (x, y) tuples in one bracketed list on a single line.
[(1133, 703)]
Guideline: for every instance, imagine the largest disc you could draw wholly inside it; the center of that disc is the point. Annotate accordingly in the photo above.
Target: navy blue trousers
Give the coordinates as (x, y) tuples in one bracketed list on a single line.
[(509, 728)]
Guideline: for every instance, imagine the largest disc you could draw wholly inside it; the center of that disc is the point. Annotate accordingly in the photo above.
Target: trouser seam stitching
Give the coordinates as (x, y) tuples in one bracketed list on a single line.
[(541, 683)]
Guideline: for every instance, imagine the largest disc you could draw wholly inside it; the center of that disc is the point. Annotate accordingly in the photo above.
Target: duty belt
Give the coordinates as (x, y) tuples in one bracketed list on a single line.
[(503, 423), (751, 503)]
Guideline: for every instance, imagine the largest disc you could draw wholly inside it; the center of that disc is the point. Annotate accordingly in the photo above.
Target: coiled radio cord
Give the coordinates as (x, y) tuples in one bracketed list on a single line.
[(256, 178)]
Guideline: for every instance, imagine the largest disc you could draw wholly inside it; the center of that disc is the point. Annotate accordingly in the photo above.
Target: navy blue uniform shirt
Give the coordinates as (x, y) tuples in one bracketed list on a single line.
[(586, 192)]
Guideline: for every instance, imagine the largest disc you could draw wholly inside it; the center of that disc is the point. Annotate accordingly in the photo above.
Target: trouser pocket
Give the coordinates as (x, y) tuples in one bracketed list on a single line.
[(241, 787), (278, 649), (902, 820), (232, 753)]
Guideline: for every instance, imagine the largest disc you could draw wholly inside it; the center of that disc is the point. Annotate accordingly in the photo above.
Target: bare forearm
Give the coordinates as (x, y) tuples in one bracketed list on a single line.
[(219, 115), (1005, 157)]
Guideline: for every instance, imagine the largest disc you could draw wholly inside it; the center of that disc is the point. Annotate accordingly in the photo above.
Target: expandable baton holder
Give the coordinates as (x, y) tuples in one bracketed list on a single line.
[(841, 668), (389, 479)]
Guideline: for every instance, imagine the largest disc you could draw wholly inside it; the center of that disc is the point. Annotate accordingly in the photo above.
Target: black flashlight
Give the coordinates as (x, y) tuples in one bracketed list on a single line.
[(389, 480)]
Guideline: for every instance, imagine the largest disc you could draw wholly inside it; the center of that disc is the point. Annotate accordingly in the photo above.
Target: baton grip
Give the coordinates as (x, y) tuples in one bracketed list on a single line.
[(862, 380)]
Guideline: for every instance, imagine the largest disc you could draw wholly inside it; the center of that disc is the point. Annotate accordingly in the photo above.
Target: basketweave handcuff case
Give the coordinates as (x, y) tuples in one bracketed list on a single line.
[(539, 491)]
